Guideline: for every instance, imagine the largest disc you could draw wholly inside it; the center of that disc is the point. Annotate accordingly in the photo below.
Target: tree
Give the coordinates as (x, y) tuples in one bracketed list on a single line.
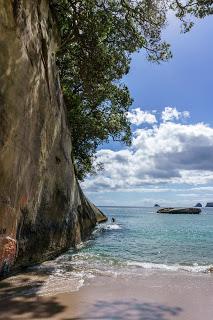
[(97, 40), (186, 10)]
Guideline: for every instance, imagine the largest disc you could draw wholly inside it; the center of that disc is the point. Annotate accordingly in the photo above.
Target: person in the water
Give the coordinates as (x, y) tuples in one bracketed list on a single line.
[(113, 220)]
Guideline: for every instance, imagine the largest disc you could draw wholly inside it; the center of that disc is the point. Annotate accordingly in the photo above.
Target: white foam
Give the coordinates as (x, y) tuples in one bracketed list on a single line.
[(61, 282), (95, 263), (68, 275), (82, 245), (146, 265), (112, 227)]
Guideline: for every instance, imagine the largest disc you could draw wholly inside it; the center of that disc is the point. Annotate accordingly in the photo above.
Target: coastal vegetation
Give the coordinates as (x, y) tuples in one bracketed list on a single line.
[(98, 38)]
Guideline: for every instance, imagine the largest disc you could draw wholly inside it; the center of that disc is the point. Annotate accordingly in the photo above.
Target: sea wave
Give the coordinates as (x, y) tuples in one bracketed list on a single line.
[(62, 282), (107, 227), (97, 263), (112, 227), (69, 272), (177, 267)]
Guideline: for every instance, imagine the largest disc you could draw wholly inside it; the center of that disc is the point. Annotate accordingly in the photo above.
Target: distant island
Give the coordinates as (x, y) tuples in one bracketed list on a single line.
[(209, 205), (156, 205), (198, 205)]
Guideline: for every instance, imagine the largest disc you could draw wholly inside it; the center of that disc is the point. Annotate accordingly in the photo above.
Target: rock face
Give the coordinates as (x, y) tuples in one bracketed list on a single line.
[(198, 205), (179, 210), (42, 208), (209, 204)]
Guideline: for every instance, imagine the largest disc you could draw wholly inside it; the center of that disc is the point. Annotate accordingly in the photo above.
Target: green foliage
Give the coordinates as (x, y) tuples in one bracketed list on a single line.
[(186, 10), (97, 40)]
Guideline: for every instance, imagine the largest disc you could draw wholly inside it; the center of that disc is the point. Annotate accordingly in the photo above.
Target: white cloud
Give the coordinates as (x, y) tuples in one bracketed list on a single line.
[(138, 116), (167, 154), (171, 114), (186, 114)]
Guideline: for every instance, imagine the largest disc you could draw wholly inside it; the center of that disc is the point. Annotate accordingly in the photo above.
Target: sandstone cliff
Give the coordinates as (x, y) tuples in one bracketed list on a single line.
[(42, 209)]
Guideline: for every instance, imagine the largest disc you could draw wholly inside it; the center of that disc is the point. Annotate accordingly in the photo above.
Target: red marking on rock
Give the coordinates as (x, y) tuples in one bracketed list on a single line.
[(8, 247), (23, 201)]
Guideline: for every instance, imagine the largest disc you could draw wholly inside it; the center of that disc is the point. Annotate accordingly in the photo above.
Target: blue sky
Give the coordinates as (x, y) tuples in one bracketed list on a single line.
[(186, 81), (171, 160)]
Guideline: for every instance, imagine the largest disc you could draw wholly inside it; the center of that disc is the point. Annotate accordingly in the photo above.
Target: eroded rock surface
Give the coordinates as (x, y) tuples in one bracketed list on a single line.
[(42, 209)]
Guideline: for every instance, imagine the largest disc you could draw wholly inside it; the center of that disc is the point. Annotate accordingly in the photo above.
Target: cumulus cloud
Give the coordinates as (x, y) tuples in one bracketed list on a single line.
[(171, 114), (138, 117), (171, 153)]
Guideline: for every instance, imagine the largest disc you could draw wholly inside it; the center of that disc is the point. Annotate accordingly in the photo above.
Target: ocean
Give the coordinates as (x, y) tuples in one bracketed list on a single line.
[(140, 242)]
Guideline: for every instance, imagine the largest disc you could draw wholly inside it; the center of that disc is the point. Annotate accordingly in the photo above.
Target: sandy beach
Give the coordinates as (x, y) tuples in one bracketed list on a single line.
[(154, 296)]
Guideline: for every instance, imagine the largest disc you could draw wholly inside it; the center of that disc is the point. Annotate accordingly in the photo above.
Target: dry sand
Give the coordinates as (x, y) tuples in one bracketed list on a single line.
[(154, 296)]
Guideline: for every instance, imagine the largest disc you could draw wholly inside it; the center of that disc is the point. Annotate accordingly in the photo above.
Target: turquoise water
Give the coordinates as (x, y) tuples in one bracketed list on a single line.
[(139, 243), (143, 239), (142, 235)]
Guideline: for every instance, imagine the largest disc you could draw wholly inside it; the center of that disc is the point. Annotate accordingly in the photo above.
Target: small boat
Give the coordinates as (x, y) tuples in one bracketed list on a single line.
[(180, 210)]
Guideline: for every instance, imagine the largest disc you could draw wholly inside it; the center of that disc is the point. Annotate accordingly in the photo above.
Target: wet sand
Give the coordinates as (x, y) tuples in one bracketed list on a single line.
[(154, 296)]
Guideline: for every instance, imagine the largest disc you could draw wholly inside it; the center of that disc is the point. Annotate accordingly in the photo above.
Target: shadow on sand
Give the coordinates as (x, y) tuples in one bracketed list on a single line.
[(19, 298), (131, 309)]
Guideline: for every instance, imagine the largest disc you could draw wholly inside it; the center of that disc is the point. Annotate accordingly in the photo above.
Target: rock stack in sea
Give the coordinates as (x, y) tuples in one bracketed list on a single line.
[(209, 204), (198, 205), (180, 210)]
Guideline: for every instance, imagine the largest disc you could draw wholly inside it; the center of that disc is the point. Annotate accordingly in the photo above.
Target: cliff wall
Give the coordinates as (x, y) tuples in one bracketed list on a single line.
[(42, 208)]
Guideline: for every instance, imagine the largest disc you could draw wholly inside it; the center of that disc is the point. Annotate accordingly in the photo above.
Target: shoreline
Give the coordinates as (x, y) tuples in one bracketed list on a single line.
[(152, 296)]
